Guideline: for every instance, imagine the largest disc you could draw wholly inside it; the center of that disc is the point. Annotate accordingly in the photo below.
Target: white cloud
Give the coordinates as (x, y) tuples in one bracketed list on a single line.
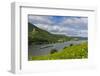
[(39, 19), (62, 30), (74, 21), (68, 26)]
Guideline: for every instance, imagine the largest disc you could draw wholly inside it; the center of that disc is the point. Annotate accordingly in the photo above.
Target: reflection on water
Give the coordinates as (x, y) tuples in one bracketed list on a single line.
[(44, 49)]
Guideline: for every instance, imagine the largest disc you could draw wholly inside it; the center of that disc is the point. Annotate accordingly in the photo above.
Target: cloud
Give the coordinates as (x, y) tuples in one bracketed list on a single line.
[(39, 19), (67, 25), (74, 22)]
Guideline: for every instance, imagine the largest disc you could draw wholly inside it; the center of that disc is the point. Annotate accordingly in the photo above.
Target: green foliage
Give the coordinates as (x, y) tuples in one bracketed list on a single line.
[(65, 47), (53, 51), (72, 52), (71, 44)]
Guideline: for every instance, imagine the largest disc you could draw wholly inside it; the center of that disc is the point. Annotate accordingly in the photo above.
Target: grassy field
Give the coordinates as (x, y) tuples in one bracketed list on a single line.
[(79, 51)]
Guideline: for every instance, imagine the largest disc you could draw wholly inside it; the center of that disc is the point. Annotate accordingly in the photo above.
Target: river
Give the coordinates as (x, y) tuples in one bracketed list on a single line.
[(44, 49)]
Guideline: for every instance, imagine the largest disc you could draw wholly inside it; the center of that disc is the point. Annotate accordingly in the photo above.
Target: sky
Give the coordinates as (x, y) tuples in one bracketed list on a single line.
[(76, 26)]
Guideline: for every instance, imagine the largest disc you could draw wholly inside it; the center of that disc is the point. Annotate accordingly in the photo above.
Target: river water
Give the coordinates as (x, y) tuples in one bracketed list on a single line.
[(44, 49)]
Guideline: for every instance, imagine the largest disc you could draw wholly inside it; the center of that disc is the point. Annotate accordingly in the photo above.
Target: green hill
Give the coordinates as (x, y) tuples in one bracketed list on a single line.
[(40, 36)]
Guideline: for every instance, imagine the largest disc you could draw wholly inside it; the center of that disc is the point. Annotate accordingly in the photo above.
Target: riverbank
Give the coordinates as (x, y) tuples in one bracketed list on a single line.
[(78, 51), (45, 49)]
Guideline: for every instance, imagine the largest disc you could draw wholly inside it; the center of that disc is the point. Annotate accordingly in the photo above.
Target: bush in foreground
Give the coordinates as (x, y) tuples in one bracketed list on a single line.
[(53, 51)]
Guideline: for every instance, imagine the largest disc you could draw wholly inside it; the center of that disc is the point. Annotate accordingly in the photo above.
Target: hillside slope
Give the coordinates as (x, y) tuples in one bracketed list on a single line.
[(40, 36)]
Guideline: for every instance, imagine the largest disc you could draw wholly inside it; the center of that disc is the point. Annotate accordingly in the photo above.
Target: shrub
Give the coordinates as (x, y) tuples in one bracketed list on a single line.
[(65, 47), (53, 51), (71, 44)]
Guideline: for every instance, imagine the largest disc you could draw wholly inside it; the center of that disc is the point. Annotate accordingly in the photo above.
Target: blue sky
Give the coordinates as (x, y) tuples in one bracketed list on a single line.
[(66, 25)]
